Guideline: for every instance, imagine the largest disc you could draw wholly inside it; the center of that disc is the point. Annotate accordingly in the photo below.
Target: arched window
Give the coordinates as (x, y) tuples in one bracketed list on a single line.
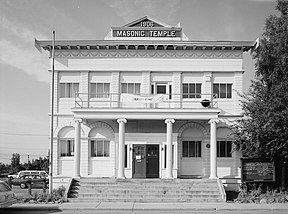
[(66, 142), (192, 142), (99, 142)]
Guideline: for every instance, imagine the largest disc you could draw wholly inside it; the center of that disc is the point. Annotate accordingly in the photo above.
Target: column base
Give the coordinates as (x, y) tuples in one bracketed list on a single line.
[(121, 177), (213, 177)]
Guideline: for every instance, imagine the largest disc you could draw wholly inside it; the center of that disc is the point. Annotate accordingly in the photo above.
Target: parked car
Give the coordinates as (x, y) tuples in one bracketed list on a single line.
[(13, 175), (36, 181), (7, 197), (32, 172)]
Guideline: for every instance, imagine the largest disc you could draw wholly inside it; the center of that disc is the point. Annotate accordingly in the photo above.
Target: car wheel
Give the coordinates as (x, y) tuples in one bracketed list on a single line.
[(22, 186)]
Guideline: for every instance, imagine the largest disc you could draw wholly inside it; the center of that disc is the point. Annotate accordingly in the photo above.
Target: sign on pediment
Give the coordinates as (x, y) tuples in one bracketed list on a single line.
[(146, 27)]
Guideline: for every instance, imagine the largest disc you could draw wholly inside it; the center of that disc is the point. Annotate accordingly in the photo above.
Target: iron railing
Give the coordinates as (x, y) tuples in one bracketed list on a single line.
[(117, 100)]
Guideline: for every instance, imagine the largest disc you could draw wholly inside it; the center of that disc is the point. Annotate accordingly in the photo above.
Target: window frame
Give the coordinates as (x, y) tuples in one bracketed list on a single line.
[(94, 149), (134, 88), (228, 90), (197, 151), (192, 95), (67, 89), (93, 91), (70, 152), (226, 148)]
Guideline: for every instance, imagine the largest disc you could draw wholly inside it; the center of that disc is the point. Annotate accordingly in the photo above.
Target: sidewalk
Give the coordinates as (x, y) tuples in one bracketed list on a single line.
[(151, 206)]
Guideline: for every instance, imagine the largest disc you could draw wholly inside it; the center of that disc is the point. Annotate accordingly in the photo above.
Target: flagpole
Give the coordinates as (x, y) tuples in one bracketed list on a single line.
[(51, 119)]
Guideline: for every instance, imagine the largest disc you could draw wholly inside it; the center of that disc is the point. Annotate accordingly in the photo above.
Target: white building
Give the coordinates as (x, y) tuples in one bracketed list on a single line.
[(129, 106)]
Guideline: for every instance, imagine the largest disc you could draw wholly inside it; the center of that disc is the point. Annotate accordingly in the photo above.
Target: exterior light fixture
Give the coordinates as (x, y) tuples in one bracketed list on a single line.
[(205, 103)]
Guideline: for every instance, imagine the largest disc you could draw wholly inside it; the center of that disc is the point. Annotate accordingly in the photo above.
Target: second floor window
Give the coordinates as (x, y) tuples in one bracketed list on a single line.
[(130, 88), (191, 90), (99, 90), (66, 148), (68, 90), (223, 90), (224, 149)]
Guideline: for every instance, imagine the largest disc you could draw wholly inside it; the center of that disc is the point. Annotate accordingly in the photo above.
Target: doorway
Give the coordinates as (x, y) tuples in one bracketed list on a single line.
[(145, 161)]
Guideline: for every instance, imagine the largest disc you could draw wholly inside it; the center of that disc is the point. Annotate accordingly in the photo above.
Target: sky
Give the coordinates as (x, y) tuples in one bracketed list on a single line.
[(24, 76)]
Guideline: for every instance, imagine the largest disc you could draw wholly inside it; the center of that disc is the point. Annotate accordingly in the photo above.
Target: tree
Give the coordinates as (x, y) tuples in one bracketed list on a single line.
[(15, 162), (263, 130)]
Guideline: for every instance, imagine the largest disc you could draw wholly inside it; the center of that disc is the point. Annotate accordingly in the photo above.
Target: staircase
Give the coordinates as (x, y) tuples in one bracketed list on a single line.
[(146, 190)]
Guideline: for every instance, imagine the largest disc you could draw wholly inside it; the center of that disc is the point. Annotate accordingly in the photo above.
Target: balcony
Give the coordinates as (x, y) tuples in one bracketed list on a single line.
[(146, 107), (146, 101)]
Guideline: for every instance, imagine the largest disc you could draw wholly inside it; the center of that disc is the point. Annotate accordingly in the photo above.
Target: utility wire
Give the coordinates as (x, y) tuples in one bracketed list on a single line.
[(21, 134)]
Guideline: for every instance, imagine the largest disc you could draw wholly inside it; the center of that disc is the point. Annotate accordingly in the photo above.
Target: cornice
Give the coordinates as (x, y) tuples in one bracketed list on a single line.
[(191, 54)]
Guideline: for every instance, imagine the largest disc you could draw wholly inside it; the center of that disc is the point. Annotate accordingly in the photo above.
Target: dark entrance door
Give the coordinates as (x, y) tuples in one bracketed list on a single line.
[(145, 161)]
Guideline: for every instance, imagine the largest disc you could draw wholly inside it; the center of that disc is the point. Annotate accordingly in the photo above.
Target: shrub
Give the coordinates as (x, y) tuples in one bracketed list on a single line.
[(56, 196)]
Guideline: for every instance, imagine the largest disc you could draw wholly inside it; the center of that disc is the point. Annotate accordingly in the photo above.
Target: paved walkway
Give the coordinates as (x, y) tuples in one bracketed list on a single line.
[(152, 206)]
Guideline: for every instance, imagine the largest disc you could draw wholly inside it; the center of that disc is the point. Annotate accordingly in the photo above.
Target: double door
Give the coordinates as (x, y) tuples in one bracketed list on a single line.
[(145, 161)]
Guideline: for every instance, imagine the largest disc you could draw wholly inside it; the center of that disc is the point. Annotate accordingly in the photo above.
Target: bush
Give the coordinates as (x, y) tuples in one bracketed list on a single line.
[(258, 195), (57, 196)]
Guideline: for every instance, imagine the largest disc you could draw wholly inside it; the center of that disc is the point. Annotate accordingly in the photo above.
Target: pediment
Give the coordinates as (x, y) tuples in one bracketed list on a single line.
[(146, 21)]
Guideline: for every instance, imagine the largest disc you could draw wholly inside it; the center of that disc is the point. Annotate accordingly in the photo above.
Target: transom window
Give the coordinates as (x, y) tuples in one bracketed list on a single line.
[(191, 149), (99, 90), (130, 88), (68, 90), (223, 90), (191, 90), (100, 148), (224, 149), (66, 148)]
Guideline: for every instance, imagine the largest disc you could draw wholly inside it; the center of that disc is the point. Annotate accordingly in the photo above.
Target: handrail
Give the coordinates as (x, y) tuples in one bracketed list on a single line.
[(114, 100)]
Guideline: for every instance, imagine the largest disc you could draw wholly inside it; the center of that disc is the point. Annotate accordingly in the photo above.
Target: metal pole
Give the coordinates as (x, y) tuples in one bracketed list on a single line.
[(51, 120)]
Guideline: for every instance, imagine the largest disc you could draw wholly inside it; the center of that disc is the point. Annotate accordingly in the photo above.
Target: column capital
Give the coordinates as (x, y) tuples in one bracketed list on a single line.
[(122, 120), (213, 121), (169, 121)]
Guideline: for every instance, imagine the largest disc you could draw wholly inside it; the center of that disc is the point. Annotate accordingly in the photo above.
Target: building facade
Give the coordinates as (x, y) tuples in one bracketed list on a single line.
[(146, 102)]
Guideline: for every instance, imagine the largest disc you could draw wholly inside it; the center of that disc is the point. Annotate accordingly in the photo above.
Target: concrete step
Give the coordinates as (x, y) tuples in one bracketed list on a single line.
[(141, 200), (145, 190)]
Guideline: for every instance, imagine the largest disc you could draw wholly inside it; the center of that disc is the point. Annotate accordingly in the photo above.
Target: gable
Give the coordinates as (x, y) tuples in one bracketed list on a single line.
[(146, 22), (146, 28)]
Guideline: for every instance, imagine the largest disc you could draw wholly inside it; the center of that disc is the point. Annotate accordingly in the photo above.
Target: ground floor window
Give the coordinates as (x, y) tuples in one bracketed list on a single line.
[(100, 148), (66, 148), (224, 149), (191, 149)]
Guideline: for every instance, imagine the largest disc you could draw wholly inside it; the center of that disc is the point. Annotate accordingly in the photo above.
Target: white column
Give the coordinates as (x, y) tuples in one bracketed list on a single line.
[(121, 174), (169, 161), (77, 148), (213, 149)]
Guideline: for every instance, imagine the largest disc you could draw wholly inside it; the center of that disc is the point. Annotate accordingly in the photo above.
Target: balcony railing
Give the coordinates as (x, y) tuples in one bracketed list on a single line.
[(149, 101)]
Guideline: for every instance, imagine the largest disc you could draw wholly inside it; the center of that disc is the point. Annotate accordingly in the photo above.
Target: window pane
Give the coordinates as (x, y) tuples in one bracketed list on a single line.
[(222, 148), (222, 90), (130, 88), (99, 90), (229, 148), (100, 149), (192, 149), (62, 90), (161, 89), (185, 90), (137, 88), (198, 90), (71, 147), (106, 89), (185, 149), (192, 91), (123, 87), (75, 89), (218, 148), (229, 90), (198, 149), (126, 157), (68, 90), (92, 90), (106, 148), (63, 148), (216, 89)]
